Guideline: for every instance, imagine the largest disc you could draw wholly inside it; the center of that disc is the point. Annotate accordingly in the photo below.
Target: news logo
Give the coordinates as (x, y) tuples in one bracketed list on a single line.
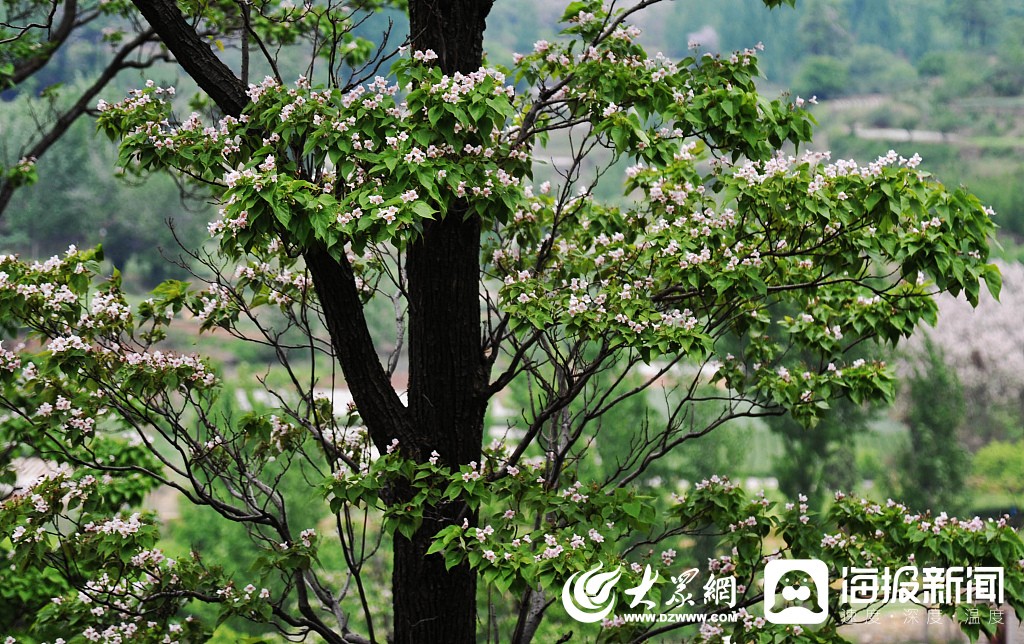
[(793, 588)]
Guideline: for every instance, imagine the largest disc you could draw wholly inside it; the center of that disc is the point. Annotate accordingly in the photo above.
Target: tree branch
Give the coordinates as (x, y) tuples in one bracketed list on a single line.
[(194, 55), (57, 37), (81, 106), (379, 406)]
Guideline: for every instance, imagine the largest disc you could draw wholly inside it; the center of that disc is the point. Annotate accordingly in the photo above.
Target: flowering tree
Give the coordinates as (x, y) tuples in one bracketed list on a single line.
[(754, 269), (986, 357)]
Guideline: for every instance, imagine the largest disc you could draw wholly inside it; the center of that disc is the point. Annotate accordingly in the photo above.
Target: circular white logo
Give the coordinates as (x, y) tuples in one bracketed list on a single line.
[(590, 598)]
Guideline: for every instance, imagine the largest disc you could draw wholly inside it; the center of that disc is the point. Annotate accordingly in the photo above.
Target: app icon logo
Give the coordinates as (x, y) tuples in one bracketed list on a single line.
[(589, 598), (791, 582)]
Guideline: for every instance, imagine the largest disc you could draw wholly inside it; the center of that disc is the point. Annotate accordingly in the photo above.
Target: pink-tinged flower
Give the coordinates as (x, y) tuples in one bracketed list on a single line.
[(489, 555), (483, 533), (551, 553), (424, 56)]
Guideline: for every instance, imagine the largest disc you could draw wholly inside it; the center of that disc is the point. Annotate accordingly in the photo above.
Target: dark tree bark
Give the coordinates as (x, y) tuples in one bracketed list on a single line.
[(378, 404), (454, 29), (447, 371), (446, 384), (194, 55)]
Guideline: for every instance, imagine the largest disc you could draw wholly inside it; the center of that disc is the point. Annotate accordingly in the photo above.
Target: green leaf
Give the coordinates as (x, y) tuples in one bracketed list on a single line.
[(434, 114), (993, 279), (573, 10), (423, 209), (435, 547), (477, 110), (452, 558), (503, 582), (281, 212)]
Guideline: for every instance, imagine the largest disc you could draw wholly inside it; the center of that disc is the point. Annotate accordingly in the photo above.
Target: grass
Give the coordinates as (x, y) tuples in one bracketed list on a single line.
[(994, 143)]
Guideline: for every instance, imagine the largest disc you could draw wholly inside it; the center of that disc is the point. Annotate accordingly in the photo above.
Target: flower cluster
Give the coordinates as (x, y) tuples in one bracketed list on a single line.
[(122, 527), (191, 368)]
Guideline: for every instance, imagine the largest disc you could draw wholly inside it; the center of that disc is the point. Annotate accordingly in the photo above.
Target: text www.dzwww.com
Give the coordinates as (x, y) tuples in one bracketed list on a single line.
[(684, 618)]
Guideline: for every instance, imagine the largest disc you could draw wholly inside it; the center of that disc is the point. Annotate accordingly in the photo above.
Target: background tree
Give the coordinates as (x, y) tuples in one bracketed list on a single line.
[(820, 461), (34, 35), (977, 20), (935, 463), (415, 187), (983, 348), (822, 76), (823, 33), (999, 467)]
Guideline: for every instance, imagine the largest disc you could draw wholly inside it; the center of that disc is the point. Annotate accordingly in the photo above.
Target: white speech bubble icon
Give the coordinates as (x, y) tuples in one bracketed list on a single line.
[(816, 570)]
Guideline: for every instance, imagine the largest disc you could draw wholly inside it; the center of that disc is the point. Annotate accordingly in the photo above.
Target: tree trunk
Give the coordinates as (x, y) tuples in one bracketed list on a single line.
[(447, 375), (447, 371), (430, 603), (446, 403)]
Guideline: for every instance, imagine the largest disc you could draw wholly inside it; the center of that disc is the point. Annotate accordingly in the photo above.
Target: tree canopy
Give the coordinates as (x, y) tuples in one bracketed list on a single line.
[(745, 270)]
